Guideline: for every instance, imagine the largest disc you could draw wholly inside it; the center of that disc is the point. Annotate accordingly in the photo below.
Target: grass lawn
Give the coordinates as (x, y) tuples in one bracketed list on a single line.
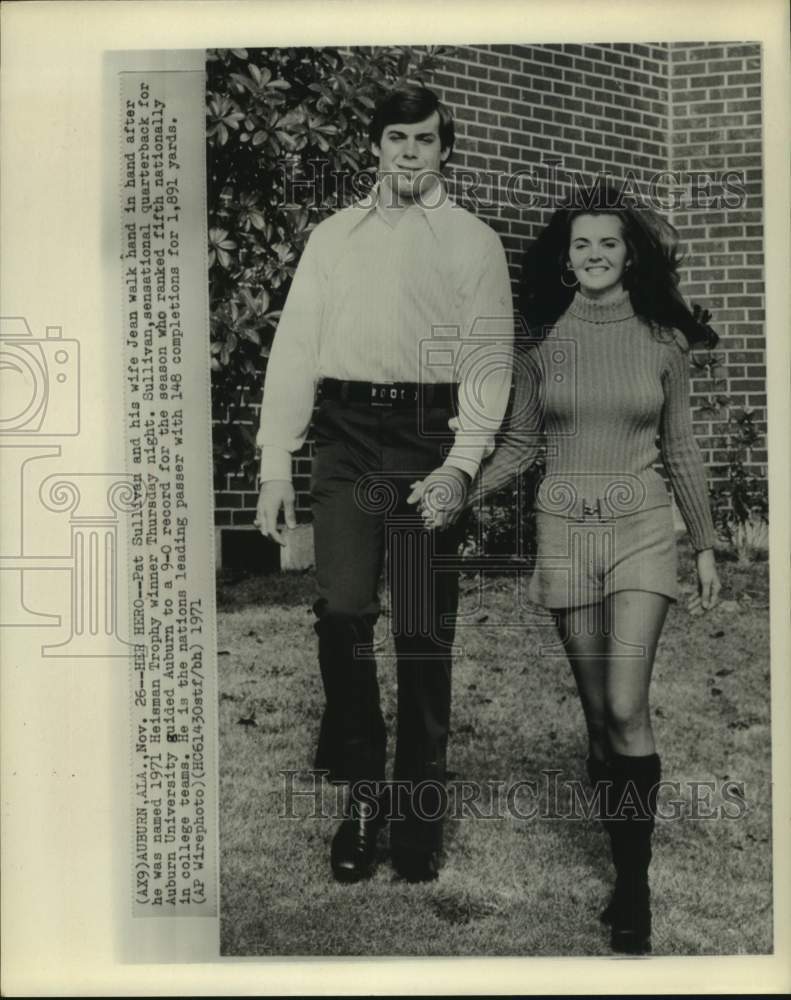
[(508, 886)]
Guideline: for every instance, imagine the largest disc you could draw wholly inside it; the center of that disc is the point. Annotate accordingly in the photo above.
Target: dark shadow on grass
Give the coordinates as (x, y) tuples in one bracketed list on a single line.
[(237, 590)]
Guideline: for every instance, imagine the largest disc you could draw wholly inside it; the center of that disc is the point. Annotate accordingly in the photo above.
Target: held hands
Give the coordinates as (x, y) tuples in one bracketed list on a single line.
[(708, 584), (275, 494), (440, 496)]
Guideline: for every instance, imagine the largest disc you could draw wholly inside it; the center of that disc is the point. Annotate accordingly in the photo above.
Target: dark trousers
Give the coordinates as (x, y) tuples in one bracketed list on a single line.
[(365, 461)]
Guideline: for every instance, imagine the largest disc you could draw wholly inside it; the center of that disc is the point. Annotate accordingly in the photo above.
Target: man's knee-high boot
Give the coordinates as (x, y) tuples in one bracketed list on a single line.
[(631, 826)]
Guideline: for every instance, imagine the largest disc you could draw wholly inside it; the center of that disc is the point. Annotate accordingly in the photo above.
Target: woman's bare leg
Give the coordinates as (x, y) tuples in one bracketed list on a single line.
[(583, 635), (636, 619)]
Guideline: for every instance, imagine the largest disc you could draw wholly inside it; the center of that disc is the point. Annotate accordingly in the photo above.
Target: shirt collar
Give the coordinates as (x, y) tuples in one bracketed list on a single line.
[(436, 213)]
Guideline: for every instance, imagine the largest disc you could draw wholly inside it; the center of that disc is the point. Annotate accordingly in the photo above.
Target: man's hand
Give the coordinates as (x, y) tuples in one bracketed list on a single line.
[(440, 496), (275, 494)]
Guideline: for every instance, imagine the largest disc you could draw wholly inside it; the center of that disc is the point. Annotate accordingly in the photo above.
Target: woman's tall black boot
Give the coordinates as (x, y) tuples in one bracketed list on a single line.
[(635, 783), (600, 777)]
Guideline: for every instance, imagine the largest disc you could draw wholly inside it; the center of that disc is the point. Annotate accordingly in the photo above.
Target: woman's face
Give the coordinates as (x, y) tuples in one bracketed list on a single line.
[(598, 254)]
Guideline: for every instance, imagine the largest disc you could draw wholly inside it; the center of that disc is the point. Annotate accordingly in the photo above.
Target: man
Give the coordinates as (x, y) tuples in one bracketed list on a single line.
[(377, 284)]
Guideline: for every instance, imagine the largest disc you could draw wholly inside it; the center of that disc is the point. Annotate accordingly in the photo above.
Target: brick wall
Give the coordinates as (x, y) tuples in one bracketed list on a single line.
[(620, 108), (587, 108), (716, 128)]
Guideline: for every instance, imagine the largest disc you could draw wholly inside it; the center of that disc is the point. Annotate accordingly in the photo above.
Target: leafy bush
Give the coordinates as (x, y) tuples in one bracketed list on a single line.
[(505, 524), (740, 505), (287, 146)]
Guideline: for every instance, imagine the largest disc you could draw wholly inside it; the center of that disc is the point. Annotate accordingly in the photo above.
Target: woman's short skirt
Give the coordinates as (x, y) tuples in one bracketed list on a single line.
[(582, 561)]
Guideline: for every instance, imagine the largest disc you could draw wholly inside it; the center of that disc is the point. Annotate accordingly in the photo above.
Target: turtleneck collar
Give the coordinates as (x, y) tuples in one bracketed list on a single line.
[(592, 311)]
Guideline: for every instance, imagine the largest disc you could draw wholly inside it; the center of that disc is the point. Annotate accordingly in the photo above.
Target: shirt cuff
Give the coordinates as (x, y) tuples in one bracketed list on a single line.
[(468, 456), (275, 464), (464, 463)]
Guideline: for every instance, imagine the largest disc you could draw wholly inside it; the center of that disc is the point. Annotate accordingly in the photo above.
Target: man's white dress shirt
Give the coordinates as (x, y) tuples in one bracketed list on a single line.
[(426, 299)]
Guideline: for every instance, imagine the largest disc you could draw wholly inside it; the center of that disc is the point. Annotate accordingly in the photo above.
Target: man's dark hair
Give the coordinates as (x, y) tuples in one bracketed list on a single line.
[(408, 104)]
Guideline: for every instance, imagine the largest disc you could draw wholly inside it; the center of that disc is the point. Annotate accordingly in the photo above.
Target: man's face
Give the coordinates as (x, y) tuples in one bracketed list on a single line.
[(410, 156)]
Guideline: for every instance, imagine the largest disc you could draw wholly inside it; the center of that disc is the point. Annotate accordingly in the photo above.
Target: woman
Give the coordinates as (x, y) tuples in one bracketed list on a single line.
[(603, 372)]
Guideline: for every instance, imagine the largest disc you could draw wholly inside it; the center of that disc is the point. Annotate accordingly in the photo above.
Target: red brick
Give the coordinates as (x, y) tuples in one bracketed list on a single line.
[(488, 88), (709, 80), (745, 51), (226, 500), (707, 108), (539, 55), (537, 84), (239, 517), (512, 64), (746, 245), (488, 58), (745, 78), (747, 385), (699, 55), (726, 230)]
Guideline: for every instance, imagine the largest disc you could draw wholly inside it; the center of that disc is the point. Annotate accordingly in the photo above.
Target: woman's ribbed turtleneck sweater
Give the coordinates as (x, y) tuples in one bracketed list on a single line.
[(598, 391)]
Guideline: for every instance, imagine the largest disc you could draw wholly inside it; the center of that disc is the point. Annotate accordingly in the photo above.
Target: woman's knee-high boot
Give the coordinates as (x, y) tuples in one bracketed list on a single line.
[(635, 783), (604, 803)]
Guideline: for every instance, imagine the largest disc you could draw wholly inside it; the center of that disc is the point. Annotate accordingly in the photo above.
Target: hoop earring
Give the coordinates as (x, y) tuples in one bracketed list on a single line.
[(563, 275)]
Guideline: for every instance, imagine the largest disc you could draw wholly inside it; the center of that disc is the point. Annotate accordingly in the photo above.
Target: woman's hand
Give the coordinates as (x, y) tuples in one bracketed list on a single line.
[(708, 583)]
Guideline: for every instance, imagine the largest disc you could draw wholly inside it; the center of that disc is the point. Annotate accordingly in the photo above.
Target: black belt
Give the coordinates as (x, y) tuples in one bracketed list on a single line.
[(398, 395)]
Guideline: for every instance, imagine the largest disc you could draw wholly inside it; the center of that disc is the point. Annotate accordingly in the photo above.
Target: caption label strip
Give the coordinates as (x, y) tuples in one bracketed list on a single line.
[(173, 677)]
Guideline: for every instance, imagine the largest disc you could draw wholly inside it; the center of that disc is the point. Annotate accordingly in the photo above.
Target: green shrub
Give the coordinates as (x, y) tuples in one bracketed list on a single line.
[(739, 504), (504, 523), (286, 132)]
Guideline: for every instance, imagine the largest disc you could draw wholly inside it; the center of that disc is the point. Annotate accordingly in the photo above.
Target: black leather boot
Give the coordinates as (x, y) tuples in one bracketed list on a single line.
[(416, 865), (600, 776), (353, 852), (635, 781), (417, 826)]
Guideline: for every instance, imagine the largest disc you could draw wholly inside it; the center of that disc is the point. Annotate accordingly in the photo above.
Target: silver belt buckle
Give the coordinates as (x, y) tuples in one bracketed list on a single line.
[(380, 394), (589, 510), (388, 394)]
